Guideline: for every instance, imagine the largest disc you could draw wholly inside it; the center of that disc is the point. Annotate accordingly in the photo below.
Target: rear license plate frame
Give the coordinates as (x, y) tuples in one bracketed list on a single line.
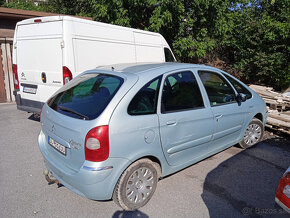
[(57, 146)]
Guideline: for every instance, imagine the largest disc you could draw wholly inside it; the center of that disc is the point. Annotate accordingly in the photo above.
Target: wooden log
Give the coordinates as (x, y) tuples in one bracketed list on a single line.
[(2, 85), (10, 71), (268, 92), (282, 117), (5, 69), (278, 129), (279, 123)]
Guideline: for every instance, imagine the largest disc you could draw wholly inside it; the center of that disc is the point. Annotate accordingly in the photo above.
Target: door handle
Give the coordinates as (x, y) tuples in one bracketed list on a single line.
[(218, 116), (171, 123)]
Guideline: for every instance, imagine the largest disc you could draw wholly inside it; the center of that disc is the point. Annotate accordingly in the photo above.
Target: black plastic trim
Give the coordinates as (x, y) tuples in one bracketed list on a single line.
[(28, 85), (28, 105)]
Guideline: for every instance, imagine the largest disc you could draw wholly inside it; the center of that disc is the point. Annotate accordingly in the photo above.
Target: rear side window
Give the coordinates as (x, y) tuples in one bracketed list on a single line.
[(239, 87), (218, 89), (145, 101), (88, 97), (168, 55), (180, 92)]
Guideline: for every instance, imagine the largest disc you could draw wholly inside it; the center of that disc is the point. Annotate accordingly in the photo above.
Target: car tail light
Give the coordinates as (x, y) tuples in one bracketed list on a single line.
[(283, 190), (37, 20), (15, 75), (67, 75), (97, 144)]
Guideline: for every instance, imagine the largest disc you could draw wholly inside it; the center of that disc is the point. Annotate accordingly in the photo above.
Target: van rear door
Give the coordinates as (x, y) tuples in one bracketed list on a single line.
[(39, 60)]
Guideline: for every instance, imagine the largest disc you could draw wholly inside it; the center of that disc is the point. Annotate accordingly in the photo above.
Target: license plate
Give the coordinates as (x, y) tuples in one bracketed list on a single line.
[(56, 145), (29, 90)]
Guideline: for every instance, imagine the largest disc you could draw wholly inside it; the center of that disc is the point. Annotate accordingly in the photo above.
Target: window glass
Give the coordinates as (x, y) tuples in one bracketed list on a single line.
[(88, 97), (218, 89), (239, 87), (181, 92), (145, 101), (168, 55)]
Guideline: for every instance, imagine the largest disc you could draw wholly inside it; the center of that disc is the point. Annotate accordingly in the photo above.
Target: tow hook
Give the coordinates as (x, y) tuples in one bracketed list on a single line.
[(51, 180)]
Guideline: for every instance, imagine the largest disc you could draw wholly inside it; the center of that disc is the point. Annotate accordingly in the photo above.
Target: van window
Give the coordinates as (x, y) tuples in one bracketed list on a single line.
[(168, 55), (145, 101), (88, 97), (181, 92), (218, 89)]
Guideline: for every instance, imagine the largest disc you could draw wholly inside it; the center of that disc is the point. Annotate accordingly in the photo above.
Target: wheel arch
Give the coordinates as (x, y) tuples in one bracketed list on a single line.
[(259, 116), (154, 160)]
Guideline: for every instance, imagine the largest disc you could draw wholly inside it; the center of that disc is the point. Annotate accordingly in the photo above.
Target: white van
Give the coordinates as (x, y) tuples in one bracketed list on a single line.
[(50, 51)]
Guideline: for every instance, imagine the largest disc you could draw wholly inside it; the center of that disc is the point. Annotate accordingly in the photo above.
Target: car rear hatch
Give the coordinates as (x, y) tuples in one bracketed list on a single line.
[(39, 57), (84, 103)]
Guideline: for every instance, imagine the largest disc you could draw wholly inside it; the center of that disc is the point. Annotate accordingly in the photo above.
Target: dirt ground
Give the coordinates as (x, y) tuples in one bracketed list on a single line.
[(276, 138)]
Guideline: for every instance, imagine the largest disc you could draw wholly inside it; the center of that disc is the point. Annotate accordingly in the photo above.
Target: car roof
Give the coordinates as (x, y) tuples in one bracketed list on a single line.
[(140, 68)]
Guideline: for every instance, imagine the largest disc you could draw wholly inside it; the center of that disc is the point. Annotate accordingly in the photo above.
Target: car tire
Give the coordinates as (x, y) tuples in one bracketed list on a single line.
[(253, 134), (136, 185)]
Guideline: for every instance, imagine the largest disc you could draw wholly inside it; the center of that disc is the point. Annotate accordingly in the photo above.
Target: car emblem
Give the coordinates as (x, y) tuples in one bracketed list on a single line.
[(22, 74), (52, 128), (74, 145)]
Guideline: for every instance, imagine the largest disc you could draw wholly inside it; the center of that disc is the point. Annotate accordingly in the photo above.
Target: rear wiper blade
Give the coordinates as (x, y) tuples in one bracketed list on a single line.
[(73, 112)]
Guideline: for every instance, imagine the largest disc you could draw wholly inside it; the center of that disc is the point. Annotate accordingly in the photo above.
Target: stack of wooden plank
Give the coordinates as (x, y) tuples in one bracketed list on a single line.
[(278, 108)]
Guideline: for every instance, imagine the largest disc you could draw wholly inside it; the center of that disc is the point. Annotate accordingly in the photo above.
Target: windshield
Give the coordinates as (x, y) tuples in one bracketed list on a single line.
[(87, 96)]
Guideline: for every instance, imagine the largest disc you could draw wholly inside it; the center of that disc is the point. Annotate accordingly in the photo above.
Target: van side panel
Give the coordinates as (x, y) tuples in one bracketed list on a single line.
[(147, 39), (96, 44), (148, 47), (87, 55), (102, 31), (149, 54)]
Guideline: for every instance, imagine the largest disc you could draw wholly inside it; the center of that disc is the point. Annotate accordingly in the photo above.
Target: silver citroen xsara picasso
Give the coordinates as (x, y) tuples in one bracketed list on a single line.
[(113, 132)]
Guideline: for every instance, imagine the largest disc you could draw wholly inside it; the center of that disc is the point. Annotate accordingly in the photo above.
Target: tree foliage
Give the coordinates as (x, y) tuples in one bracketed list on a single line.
[(27, 5), (248, 38)]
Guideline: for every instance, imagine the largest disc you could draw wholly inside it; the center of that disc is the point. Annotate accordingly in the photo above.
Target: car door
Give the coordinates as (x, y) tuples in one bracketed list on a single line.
[(248, 105), (228, 115), (186, 124)]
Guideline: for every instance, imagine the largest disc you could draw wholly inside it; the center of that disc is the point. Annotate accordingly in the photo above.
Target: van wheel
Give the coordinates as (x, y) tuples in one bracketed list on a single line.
[(253, 134), (136, 185)]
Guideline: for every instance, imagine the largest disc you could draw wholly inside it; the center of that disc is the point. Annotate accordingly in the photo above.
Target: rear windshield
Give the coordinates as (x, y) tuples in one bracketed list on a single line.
[(88, 96)]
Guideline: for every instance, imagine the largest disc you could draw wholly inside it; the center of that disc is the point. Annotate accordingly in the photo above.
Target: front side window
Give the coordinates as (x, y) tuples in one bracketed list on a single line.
[(88, 97), (181, 92), (239, 87), (168, 55), (218, 89), (145, 101)]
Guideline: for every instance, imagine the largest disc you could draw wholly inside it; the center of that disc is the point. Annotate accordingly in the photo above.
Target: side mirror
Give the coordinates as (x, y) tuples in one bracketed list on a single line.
[(241, 97)]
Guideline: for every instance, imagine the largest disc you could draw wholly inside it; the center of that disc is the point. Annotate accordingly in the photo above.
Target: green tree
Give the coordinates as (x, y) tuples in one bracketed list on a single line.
[(259, 44), (27, 5), (248, 38)]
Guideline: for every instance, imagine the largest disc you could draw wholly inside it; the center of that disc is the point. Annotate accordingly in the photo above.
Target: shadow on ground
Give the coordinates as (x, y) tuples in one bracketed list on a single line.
[(129, 214), (34, 117), (247, 182)]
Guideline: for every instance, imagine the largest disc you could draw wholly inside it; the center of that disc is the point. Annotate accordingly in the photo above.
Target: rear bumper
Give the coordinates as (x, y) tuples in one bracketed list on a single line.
[(282, 205), (93, 180), (27, 105)]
